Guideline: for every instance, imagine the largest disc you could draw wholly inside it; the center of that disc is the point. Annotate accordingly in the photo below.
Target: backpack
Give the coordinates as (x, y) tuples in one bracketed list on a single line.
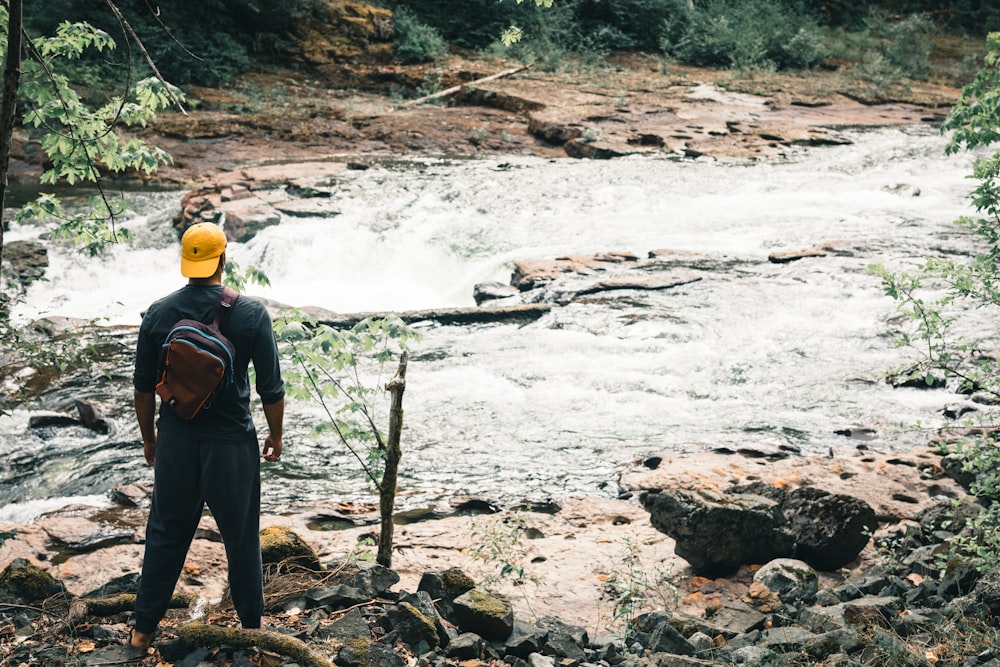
[(196, 361)]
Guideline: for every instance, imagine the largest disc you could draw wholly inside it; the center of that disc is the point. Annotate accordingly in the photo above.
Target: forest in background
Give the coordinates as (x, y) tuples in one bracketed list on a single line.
[(212, 41)]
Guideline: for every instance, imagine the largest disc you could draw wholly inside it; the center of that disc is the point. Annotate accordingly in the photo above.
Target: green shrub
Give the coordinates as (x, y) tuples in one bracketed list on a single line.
[(416, 42), (941, 291), (741, 34)]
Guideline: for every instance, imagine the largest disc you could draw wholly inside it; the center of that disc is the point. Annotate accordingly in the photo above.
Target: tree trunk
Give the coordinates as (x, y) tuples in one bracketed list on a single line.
[(11, 80), (393, 452)]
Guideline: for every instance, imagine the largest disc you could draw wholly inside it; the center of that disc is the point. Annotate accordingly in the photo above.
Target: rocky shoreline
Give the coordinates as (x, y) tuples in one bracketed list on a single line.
[(583, 566)]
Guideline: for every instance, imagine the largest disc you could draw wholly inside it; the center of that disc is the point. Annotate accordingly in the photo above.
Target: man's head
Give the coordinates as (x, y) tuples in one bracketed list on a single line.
[(201, 247)]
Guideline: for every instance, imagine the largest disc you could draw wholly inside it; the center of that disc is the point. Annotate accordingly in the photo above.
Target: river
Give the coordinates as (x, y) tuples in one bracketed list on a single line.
[(754, 355)]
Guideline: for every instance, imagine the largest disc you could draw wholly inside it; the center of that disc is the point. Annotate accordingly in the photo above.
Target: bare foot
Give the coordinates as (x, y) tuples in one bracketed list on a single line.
[(140, 639)]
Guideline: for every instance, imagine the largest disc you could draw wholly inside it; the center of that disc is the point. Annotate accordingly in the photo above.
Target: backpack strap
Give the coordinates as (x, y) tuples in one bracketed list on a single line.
[(220, 314)]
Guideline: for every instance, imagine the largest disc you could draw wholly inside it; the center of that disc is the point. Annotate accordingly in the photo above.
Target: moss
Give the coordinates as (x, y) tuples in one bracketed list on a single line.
[(456, 582), (29, 582), (358, 648), (279, 544), (429, 628), (490, 605)]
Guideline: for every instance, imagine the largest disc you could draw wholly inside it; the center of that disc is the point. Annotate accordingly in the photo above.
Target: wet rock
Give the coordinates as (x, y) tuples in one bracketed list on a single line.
[(131, 495), (91, 418), (25, 261), (246, 217), (529, 274), (639, 282), (493, 291), (83, 535), (51, 420)]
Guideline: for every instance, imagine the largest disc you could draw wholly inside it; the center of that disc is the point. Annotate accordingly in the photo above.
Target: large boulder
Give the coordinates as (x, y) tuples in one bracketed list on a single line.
[(830, 529), (718, 532)]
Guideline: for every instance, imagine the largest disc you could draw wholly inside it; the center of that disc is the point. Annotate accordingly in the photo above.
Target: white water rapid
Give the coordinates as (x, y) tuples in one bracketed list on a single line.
[(755, 354)]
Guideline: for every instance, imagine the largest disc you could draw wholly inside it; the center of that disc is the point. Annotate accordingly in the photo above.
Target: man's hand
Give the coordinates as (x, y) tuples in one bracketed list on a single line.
[(272, 448), (149, 451)]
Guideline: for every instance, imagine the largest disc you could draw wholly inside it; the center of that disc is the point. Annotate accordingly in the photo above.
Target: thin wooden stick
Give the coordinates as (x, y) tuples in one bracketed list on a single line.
[(455, 89), (393, 453)]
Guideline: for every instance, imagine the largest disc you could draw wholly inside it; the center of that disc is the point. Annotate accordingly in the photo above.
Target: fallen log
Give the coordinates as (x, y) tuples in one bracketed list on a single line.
[(455, 89), (470, 315), (84, 608), (199, 633)]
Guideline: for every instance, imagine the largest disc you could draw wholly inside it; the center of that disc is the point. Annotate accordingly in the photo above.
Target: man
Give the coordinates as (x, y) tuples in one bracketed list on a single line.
[(211, 459)]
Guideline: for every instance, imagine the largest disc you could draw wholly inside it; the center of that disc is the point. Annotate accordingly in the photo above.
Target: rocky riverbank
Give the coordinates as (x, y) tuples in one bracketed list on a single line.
[(595, 570)]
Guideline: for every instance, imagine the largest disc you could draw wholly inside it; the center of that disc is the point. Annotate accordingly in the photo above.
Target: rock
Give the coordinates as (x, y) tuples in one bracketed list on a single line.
[(493, 291), (445, 587), (79, 534), (639, 282), (49, 420), (25, 261), (347, 628), (282, 545), (131, 495), (830, 529), (24, 583), (716, 533), (489, 615), (525, 639), (244, 218), (793, 581), (466, 646), (529, 274), (737, 618), (416, 627), (368, 654), (91, 418)]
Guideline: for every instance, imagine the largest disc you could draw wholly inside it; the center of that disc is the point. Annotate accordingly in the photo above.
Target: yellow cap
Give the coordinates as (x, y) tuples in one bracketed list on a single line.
[(201, 245)]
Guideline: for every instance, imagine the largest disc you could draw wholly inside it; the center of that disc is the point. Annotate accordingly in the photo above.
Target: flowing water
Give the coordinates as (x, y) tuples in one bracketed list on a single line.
[(753, 355)]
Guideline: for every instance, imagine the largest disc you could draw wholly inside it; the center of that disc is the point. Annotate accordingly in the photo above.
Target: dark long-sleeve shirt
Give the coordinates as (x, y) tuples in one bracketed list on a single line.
[(249, 328)]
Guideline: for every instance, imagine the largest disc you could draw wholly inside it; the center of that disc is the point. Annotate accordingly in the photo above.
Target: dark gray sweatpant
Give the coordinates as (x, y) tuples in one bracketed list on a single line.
[(189, 474)]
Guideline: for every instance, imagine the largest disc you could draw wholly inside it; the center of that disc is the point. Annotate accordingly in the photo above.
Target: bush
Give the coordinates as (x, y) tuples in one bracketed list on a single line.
[(416, 42), (941, 292), (741, 34)]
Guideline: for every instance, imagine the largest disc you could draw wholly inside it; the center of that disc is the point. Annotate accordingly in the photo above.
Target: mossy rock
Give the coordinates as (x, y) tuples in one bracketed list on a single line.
[(456, 582), (24, 583), (489, 615), (279, 544)]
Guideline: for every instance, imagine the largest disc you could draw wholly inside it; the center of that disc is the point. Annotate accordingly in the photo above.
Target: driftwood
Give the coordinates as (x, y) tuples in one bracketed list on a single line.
[(83, 608), (393, 453), (470, 315), (199, 633), (455, 89)]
